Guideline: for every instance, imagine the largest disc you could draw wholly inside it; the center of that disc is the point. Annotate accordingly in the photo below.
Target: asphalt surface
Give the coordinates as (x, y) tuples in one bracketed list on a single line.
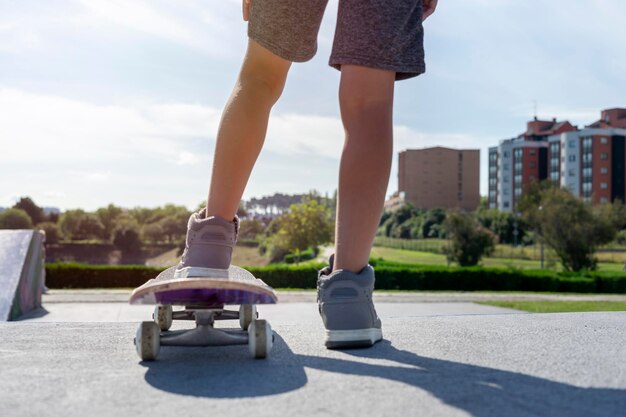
[(437, 359)]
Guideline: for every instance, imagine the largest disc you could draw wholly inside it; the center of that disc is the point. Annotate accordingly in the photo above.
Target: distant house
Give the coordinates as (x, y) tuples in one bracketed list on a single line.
[(590, 162), (438, 178)]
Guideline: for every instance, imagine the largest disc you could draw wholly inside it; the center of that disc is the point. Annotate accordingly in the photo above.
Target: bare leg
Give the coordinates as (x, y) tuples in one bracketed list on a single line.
[(243, 127), (366, 101)]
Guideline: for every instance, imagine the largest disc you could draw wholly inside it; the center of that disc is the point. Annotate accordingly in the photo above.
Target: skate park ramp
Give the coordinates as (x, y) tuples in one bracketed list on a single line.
[(22, 272)]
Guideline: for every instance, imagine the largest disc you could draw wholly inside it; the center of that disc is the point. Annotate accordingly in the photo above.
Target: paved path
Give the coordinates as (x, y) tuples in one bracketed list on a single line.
[(437, 359), (98, 296), (472, 365)]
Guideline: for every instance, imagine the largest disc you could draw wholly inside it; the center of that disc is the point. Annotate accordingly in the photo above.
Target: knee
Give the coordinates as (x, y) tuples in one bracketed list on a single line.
[(363, 104), (265, 82)]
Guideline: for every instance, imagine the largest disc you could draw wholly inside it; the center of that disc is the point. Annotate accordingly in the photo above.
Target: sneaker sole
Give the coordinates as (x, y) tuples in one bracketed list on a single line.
[(197, 272), (345, 339)]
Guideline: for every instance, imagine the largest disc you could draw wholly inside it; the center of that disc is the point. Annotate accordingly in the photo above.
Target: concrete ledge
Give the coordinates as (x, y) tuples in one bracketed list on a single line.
[(494, 365)]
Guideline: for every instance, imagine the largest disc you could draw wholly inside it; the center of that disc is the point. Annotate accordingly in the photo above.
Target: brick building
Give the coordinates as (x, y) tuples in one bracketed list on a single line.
[(588, 161), (439, 178)]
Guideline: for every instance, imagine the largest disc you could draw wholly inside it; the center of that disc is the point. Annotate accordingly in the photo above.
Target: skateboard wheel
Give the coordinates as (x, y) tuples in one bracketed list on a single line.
[(163, 317), (147, 340), (260, 338), (247, 313)]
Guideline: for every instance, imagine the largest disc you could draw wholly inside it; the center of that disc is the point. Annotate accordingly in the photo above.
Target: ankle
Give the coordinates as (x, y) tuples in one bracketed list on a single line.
[(354, 268)]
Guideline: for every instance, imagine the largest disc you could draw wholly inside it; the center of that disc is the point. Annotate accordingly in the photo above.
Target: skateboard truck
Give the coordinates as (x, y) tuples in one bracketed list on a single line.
[(151, 335)]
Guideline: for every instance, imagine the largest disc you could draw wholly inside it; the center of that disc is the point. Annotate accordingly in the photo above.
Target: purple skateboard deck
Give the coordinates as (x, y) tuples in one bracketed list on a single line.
[(240, 287)]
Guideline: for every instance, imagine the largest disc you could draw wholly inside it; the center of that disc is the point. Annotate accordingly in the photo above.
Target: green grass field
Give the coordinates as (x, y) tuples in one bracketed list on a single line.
[(559, 306), (429, 258), (251, 257)]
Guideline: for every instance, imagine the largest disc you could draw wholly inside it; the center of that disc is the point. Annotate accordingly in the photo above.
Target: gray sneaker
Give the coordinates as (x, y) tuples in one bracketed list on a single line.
[(209, 246), (345, 304)]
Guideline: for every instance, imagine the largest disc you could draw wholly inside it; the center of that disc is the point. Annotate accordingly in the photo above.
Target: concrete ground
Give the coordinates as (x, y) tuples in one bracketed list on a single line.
[(451, 358)]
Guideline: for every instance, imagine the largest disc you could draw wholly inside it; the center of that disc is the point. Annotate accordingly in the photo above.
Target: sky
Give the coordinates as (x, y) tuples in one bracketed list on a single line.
[(118, 101)]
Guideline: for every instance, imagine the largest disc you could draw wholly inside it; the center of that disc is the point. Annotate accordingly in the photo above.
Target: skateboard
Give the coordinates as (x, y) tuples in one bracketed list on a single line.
[(203, 300)]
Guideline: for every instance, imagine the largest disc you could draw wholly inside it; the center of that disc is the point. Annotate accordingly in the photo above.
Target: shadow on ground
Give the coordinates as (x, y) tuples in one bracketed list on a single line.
[(33, 314), (224, 374), (477, 390)]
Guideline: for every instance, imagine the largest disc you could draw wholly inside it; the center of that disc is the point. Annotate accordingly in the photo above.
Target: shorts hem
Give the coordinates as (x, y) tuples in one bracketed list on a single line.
[(403, 70), (279, 50)]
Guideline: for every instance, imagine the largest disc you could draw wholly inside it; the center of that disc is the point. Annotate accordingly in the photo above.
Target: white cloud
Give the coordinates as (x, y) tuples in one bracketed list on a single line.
[(91, 141), (195, 24), (54, 195), (305, 134), (41, 128), (97, 176), (137, 15), (187, 158)]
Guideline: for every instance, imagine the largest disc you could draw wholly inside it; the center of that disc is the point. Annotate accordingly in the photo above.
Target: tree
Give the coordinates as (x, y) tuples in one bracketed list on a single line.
[(174, 229), (126, 238), (249, 229), (308, 224), (433, 219), (502, 224), (69, 222), (52, 230), (33, 210), (571, 227), (153, 232), (78, 225), (400, 222), (90, 227), (469, 241), (14, 218), (108, 216)]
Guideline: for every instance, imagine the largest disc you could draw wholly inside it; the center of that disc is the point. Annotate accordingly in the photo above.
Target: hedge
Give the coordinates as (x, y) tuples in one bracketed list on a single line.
[(75, 275), (389, 276)]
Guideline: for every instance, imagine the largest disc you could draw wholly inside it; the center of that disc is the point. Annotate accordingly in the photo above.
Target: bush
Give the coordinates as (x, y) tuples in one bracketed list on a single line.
[(53, 232), (305, 255), (621, 237), (571, 227), (248, 243), (126, 238), (15, 218), (389, 275), (74, 275), (469, 241)]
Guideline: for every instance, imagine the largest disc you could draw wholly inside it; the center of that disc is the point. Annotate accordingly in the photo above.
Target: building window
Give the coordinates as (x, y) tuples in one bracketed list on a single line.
[(572, 158), (505, 154), (604, 200), (571, 173), (604, 156), (604, 141), (571, 143), (506, 204), (533, 165), (604, 170), (505, 167), (533, 152), (604, 185)]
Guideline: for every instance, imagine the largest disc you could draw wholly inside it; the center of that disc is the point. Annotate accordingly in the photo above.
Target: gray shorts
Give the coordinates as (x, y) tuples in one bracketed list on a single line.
[(385, 34)]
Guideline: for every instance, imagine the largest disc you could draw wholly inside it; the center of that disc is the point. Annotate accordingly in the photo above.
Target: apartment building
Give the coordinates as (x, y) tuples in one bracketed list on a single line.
[(589, 161), (439, 178)]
